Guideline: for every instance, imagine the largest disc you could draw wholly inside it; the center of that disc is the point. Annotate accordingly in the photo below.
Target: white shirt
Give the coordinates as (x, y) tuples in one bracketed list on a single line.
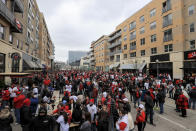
[(146, 84), (63, 126), (12, 91), (124, 119), (92, 110), (74, 98), (35, 92), (68, 88)]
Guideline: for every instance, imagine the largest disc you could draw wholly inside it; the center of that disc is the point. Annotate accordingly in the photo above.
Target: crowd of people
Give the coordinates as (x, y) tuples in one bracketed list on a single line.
[(91, 101)]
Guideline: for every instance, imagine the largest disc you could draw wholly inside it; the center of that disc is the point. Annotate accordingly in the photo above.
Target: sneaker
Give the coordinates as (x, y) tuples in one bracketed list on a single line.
[(16, 124)]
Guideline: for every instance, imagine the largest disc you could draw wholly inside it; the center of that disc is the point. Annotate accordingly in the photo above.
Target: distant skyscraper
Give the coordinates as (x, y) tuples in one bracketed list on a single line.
[(75, 55)]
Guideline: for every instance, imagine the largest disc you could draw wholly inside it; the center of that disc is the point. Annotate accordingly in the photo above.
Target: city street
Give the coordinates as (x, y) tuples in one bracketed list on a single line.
[(169, 121)]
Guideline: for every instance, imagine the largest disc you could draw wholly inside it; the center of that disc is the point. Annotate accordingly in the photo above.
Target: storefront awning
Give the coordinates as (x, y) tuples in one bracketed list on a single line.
[(127, 67), (31, 64), (114, 65), (141, 66), (40, 65)]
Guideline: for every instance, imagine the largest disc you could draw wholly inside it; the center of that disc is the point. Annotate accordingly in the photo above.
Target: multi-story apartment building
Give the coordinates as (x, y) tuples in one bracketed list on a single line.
[(19, 35), (115, 50), (92, 56), (101, 53), (159, 37)]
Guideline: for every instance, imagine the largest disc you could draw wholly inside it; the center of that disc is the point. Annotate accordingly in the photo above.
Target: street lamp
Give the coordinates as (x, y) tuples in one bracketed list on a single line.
[(157, 62)]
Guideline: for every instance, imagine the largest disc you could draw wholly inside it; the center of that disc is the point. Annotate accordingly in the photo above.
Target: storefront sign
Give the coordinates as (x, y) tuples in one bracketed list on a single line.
[(190, 55), (163, 57)]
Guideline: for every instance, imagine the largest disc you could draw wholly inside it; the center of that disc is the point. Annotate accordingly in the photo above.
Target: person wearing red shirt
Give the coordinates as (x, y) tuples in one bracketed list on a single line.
[(18, 103), (183, 103), (140, 118), (5, 97), (95, 94)]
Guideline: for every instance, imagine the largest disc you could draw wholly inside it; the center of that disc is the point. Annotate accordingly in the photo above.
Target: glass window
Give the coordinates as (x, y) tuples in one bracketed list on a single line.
[(143, 52), (152, 12), (132, 35), (125, 56), (132, 25), (142, 30), (17, 43), (125, 47), (2, 63), (4, 1), (133, 54), (167, 35), (191, 10), (125, 38), (167, 20), (142, 19), (153, 50), (153, 25), (11, 38), (2, 32), (133, 45), (192, 44), (168, 48), (192, 27), (153, 38), (142, 41), (166, 6)]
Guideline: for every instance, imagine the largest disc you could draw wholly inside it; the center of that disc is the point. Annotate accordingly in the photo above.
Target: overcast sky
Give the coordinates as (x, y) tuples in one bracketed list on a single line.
[(74, 24)]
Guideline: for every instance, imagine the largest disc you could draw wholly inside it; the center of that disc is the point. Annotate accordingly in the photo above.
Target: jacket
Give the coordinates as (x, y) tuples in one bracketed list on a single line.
[(161, 97), (149, 102), (6, 95), (86, 126), (5, 121), (18, 101), (25, 115), (192, 94), (182, 102)]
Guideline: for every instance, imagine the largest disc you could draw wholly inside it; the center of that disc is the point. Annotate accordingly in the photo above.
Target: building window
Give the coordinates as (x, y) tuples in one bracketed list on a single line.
[(168, 48), (153, 25), (166, 6), (143, 52), (153, 38), (125, 47), (133, 54), (17, 44), (132, 25), (15, 62), (167, 35), (11, 38), (125, 38), (142, 19), (192, 44), (133, 45), (125, 56), (142, 41), (153, 50), (2, 32), (2, 63), (152, 12), (125, 29), (192, 27), (191, 10), (132, 35), (4, 1), (167, 20), (118, 58), (142, 30)]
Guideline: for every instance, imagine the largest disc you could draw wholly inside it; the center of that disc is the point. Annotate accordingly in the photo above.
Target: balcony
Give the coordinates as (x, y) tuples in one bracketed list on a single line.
[(16, 26), (18, 6), (115, 36), (115, 52), (167, 23), (167, 38), (114, 45)]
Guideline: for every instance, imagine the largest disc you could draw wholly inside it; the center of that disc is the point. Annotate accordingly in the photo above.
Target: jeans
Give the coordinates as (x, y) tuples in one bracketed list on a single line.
[(141, 126), (17, 114), (149, 111), (136, 100), (192, 101), (161, 108)]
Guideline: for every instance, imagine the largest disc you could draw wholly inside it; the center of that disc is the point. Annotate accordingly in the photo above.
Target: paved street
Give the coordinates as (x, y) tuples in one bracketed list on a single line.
[(169, 121)]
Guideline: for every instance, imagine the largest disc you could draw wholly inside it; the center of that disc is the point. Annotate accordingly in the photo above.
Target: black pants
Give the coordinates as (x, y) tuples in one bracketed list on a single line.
[(141, 126), (11, 102), (183, 112), (25, 127), (149, 111)]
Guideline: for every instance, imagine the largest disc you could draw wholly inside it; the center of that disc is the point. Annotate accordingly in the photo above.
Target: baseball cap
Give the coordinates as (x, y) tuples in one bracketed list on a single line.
[(141, 106)]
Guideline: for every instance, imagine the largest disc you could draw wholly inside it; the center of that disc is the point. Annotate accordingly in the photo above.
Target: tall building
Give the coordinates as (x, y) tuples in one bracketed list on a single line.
[(92, 56), (74, 56), (19, 36), (100, 52), (159, 38)]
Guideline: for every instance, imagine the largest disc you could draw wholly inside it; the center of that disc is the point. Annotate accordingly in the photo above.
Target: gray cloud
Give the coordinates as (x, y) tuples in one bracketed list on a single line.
[(74, 24)]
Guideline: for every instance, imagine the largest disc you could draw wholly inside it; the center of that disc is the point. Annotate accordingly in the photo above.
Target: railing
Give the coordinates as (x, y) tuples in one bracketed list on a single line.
[(115, 36), (20, 5), (9, 16), (133, 48), (114, 45), (167, 38), (166, 8), (115, 52), (167, 23), (132, 37)]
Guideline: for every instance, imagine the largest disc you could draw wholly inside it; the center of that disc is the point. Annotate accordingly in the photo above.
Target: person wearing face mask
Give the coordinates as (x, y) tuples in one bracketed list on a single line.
[(42, 122), (92, 109)]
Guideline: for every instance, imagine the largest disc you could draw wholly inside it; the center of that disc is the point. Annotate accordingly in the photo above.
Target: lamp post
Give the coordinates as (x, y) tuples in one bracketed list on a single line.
[(157, 62)]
